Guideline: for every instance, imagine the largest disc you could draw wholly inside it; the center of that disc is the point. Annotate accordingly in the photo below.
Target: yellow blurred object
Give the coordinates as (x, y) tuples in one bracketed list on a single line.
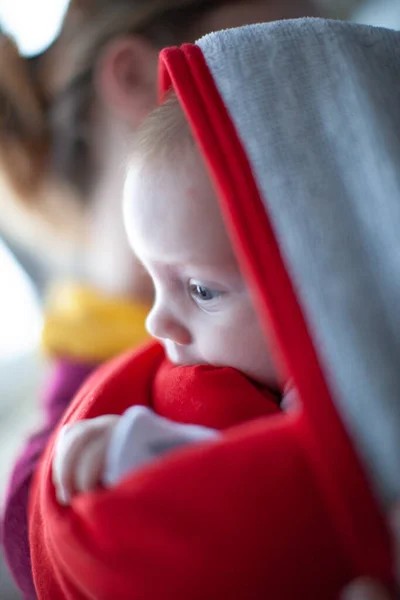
[(82, 324)]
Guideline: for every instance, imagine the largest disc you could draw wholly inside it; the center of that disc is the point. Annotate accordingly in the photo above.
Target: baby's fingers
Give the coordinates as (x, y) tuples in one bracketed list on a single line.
[(90, 466), (68, 447)]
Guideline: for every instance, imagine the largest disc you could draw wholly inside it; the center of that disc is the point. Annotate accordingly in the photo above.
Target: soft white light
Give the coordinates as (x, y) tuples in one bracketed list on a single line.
[(32, 23), (20, 316), (382, 13)]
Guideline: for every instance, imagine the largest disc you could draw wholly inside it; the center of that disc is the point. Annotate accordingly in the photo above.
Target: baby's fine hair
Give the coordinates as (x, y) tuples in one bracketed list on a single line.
[(165, 133)]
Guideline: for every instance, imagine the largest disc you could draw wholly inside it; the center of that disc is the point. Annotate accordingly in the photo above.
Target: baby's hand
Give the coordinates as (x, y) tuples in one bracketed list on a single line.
[(142, 436), (108, 448), (80, 455)]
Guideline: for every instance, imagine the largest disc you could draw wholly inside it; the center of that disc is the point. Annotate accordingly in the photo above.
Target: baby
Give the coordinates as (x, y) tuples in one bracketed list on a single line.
[(280, 507), (203, 311)]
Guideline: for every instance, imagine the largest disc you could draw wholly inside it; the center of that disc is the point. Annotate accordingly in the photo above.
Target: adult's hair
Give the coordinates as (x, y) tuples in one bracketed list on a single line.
[(46, 128)]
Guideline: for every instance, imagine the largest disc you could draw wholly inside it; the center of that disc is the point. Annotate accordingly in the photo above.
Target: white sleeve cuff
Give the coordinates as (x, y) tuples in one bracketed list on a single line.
[(141, 435)]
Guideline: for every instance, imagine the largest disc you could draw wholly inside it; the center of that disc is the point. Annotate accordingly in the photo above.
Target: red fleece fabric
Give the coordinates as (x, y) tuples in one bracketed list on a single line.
[(81, 564), (279, 507), (244, 517)]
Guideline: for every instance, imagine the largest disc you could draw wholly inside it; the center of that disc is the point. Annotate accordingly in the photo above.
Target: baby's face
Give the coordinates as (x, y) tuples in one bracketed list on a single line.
[(203, 313)]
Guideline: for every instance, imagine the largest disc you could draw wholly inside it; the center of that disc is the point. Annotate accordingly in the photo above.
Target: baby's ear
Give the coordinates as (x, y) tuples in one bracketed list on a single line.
[(23, 130)]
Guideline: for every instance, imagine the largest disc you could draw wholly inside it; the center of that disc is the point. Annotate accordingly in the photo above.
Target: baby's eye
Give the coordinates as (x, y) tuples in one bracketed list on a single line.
[(202, 293)]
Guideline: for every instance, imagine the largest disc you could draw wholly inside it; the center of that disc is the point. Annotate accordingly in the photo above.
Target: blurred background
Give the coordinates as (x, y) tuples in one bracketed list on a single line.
[(24, 276)]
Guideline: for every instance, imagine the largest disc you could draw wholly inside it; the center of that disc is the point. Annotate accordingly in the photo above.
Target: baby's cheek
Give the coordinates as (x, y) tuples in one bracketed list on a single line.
[(243, 347), (225, 346), (258, 360)]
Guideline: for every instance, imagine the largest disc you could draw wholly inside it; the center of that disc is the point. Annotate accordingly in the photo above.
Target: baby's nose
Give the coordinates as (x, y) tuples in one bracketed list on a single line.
[(163, 325)]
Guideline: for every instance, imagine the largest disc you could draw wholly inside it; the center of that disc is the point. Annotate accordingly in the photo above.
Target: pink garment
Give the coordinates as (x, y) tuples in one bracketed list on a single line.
[(66, 379)]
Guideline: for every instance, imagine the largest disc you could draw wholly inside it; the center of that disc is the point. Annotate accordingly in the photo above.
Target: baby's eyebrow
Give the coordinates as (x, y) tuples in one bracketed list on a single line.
[(168, 267), (180, 266), (193, 268)]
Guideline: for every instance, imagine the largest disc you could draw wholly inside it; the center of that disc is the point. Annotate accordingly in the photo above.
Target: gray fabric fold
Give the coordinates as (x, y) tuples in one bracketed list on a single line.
[(327, 161)]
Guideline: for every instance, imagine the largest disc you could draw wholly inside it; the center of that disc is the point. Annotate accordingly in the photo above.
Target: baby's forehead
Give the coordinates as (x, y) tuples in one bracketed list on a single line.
[(161, 185), (167, 183), (173, 207)]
